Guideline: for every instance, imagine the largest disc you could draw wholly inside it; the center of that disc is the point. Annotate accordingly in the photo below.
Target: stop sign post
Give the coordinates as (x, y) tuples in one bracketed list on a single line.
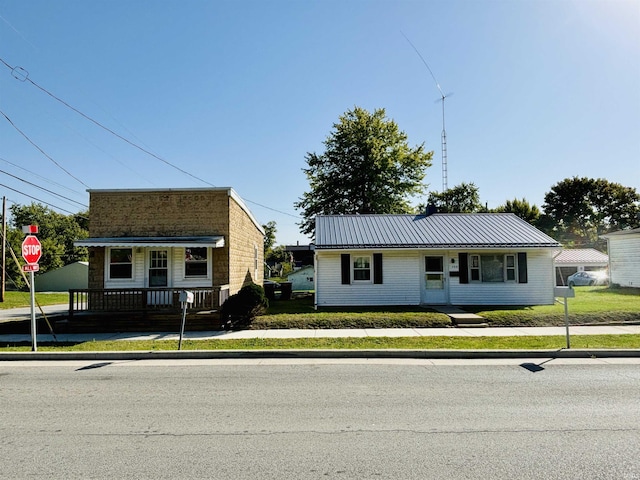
[(31, 252)]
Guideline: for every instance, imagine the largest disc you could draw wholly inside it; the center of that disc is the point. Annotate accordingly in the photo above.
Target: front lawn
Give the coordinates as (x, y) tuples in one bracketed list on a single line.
[(23, 299), (591, 305)]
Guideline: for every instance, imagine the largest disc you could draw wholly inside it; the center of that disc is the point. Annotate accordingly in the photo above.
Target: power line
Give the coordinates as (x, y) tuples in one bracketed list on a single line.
[(40, 176), (41, 201), (44, 189), (41, 150), (21, 74)]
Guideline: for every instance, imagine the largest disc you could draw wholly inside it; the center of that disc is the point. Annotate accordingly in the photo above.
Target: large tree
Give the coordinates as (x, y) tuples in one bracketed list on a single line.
[(521, 208), (578, 210), (463, 198), (367, 167)]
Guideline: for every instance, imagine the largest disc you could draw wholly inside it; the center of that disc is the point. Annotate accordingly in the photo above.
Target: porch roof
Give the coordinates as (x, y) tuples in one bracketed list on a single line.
[(216, 241)]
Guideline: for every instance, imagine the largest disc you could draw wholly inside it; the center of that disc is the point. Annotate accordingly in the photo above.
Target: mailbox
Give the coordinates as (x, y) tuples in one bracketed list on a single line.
[(564, 292), (186, 297)]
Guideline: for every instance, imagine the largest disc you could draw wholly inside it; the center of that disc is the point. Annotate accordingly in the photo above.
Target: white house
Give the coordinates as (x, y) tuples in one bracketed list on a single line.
[(624, 257), (458, 259)]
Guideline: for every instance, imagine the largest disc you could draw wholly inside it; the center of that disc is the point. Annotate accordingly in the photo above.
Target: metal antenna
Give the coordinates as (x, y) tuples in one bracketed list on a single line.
[(444, 131)]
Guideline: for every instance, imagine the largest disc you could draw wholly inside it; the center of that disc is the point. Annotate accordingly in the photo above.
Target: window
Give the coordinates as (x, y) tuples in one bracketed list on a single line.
[(492, 268), (362, 269), (121, 263), (474, 267), (195, 262)]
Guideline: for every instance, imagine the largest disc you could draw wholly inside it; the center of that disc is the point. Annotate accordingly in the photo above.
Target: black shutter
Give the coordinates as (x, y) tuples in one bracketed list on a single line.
[(377, 268), (345, 262), (463, 265), (522, 267)]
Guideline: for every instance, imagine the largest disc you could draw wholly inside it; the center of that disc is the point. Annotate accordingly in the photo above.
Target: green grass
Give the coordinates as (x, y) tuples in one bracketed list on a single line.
[(418, 343), (23, 299), (591, 305)]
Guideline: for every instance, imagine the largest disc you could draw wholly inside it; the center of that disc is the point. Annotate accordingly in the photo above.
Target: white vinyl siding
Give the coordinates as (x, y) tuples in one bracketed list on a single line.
[(537, 291), (624, 260), (404, 274), (177, 269), (400, 286)]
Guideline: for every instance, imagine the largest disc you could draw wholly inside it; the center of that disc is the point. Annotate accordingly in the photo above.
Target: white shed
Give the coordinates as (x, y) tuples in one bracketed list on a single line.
[(302, 279), (624, 257), (72, 276)]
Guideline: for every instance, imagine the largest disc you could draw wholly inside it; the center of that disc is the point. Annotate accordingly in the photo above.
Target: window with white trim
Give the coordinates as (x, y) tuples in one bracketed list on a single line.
[(121, 263), (195, 261), (493, 268), (362, 269)]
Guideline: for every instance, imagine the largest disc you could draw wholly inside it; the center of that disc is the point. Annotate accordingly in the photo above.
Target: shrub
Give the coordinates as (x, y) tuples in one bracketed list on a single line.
[(244, 306)]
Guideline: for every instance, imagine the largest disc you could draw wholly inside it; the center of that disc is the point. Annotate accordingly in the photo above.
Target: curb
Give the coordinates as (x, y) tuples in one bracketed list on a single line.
[(319, 354)]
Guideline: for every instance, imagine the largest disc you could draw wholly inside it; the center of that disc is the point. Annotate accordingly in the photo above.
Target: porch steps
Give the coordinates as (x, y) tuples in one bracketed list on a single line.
[(460, 318)]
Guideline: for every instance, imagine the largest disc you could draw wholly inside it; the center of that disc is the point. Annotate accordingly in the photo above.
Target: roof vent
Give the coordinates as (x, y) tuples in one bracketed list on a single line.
[(431, 209)]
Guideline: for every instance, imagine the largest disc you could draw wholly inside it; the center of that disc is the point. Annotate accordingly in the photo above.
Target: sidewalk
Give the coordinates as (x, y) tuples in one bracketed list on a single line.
[(328, 333)]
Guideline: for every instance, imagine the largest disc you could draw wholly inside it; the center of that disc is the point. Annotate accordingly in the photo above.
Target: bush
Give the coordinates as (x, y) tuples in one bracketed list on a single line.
[(244, 306)]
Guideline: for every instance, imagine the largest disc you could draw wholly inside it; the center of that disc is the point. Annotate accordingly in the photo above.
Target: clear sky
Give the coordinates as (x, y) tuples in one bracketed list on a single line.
[(235, 93)]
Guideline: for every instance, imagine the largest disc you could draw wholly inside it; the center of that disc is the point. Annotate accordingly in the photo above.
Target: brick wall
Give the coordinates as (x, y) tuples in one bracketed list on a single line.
[(168, 213)]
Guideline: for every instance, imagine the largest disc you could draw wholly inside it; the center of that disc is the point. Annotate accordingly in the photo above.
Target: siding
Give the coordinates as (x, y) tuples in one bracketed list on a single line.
[(403, 276), (537, 291), (624, 260), (401, 271)]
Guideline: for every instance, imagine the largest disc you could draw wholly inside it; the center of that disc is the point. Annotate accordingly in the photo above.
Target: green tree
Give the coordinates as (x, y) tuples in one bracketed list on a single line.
[(463, 198), (56, 233), (269, 236), (522, 208), (578, 210), (367, 167)]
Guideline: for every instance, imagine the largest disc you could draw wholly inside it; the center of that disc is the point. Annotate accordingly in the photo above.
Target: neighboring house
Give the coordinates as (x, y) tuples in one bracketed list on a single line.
[(624, 257), (458, 259), (168, 240), (302, 255), (574, 260), (63, 279), (302, 279)]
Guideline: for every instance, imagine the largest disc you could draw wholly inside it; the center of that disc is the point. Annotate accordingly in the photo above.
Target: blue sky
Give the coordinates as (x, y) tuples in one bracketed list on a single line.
[(235, 93)]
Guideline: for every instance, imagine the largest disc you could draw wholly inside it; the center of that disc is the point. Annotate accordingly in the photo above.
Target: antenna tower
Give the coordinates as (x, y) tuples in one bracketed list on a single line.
[(443, 138)]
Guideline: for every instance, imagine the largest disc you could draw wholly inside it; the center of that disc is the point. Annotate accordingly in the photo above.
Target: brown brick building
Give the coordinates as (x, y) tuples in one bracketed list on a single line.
[(172, 239)]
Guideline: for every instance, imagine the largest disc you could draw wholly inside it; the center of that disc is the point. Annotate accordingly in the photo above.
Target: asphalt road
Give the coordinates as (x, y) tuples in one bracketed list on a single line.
[(318, 420)]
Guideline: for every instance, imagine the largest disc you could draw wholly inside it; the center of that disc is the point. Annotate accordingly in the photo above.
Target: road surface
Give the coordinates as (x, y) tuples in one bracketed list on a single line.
[(317, 420)]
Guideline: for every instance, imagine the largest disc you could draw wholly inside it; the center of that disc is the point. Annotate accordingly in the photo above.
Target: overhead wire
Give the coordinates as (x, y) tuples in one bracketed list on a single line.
[(44, 189), (22, 75), (42, 201), (41, 150)]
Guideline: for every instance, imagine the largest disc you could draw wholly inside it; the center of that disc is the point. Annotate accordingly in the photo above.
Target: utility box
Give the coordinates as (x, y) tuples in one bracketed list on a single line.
[(564, 292)]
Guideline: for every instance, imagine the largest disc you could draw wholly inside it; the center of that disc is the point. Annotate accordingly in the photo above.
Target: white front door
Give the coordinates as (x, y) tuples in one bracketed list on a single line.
[(158, 277), (434, 287)]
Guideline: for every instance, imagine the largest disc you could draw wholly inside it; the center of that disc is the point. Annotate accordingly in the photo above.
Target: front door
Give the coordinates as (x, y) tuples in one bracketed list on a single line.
[(158, 275), (434, 289)]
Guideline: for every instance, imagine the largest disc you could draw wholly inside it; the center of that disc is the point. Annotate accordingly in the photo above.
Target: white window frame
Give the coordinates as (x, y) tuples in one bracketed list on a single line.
[(369, 261), (475, 264), (109, 263)]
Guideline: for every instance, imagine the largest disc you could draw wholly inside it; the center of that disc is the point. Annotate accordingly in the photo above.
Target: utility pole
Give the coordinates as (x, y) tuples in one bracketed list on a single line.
[(4, 247)]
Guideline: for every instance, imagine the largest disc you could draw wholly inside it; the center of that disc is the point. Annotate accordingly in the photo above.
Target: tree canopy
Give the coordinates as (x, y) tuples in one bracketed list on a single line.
[(57, 232), (367, 167), (463, 198), (522, 208), (578, 210)]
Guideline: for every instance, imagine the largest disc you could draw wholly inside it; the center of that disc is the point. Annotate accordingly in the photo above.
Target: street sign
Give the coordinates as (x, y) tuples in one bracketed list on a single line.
[(30, 267), (31, 249)]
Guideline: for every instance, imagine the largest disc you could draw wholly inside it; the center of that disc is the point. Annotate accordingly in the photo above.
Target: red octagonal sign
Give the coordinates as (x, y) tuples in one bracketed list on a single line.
[(31, 249)]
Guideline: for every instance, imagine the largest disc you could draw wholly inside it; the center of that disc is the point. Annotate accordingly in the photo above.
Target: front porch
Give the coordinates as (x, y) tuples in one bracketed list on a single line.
[(144, 309)]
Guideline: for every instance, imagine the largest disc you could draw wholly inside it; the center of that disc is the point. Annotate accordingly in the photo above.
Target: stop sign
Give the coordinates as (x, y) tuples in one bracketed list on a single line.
[(31, 249)]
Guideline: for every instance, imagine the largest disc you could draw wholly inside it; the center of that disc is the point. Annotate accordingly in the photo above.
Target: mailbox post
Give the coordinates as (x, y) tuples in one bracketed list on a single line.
[(185, 298), (565, 292)]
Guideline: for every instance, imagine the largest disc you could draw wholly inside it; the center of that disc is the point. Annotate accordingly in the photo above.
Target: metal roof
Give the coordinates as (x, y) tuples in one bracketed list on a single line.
[(439, 230), (582, 255), (195, 241)]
